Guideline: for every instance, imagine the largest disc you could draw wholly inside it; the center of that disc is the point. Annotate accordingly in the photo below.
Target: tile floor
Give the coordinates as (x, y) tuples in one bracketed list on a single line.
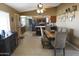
[(31, 46)]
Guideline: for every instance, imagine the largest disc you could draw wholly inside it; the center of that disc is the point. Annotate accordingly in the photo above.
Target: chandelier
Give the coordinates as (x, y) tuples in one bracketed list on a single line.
[(40, 9)]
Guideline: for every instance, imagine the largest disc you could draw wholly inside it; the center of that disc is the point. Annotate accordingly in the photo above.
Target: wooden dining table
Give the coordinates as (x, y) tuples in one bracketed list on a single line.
[(50, 35)]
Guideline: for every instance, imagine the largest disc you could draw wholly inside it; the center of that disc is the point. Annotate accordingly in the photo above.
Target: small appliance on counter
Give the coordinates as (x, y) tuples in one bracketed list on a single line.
[(3, 33), (0, 36)]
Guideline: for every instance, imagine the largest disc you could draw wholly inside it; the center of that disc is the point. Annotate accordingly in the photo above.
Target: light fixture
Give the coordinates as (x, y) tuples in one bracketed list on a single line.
[(40, 5), (40, 9)]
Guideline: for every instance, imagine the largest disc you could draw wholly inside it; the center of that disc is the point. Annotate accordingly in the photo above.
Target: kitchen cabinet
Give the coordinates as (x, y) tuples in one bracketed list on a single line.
[(53, 19)]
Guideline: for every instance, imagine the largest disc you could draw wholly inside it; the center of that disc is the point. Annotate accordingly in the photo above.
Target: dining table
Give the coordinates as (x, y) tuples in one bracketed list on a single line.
[(50, 35)]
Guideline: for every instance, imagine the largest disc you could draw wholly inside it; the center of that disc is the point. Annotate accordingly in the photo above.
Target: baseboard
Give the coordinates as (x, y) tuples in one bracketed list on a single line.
[(76, 48)]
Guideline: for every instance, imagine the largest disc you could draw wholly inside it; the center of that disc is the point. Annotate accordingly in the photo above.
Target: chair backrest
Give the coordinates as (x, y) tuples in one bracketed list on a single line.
[(62, 29), (60, 39), (44, 38), (54, 28), (48, 27)]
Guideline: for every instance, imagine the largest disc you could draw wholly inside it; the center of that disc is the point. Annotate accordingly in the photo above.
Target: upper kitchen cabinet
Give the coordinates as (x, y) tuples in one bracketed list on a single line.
[(53, 19)]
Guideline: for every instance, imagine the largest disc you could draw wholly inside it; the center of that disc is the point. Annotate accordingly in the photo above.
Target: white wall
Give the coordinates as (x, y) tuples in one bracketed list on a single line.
[(66, 22)]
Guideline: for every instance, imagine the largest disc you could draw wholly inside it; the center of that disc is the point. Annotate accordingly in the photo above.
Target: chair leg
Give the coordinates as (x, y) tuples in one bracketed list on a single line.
[(63, 51), (54, 51)]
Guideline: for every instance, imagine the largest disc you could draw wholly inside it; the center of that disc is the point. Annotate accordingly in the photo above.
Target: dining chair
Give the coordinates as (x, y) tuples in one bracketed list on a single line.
[(45, 42), (59, 42), (48, 27)]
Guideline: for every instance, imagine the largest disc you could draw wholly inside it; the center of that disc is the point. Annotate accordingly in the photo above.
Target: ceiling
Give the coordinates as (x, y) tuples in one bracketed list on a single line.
[(21, 7)]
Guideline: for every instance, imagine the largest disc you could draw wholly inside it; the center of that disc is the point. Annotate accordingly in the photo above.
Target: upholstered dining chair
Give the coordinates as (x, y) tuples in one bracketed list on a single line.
[(48, 27), (59, 42)]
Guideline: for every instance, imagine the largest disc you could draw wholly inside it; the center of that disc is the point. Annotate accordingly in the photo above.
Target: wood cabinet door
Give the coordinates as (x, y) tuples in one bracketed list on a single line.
[(53, 19)]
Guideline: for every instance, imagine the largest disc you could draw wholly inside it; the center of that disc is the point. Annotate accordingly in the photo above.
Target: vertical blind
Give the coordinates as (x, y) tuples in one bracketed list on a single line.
[(4, 21)]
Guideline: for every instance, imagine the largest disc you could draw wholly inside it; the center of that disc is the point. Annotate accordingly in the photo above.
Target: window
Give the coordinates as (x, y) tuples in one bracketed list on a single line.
[(4, 21), (23, 21)]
